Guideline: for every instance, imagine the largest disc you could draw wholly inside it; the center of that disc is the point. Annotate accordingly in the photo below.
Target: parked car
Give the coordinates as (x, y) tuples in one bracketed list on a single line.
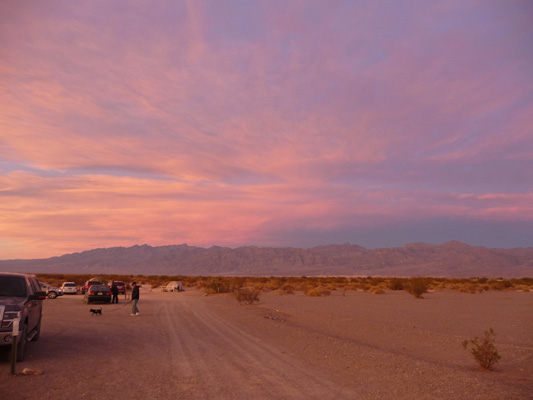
[(97, 293), (69, 288), (120, 285), (51, 291), (21, 297), (173, 286), (90, 282)]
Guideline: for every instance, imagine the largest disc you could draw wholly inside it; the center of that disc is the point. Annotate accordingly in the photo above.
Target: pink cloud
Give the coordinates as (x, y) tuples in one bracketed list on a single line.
[(162, 126)]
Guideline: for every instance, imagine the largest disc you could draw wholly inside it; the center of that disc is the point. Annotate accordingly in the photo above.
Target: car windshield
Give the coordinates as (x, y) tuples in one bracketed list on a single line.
[(12, 286)]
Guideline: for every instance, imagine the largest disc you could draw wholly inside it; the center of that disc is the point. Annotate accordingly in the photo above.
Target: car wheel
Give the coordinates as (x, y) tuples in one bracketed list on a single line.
[(21, 346), (52, 295)]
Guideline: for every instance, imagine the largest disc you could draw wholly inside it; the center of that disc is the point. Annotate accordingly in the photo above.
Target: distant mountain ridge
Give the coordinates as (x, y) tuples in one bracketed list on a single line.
[(450, 259)]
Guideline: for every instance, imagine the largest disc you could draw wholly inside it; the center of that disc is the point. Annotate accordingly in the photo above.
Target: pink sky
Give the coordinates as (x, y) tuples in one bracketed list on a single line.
[(267, 123)]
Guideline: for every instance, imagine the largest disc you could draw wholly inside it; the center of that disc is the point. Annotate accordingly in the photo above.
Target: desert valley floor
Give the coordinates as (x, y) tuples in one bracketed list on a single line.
[(355, 345)]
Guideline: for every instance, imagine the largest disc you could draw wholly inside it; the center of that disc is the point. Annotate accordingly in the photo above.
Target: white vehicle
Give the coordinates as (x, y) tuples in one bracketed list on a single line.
[(174, 286), (69, 288)]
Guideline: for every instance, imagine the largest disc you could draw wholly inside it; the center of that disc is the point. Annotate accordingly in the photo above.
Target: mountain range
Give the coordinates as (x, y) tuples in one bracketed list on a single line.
[(450, 259)]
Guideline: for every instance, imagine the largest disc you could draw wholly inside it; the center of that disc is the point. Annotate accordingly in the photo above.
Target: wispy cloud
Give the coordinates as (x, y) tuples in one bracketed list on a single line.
[(267, 123)]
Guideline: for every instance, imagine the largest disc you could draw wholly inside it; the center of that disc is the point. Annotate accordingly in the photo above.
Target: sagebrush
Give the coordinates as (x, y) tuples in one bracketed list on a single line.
[(417, 287), (483, 350), (247, 295)]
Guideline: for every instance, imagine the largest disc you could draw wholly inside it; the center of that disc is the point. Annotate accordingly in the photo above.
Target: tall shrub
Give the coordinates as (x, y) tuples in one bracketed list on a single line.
[(417, 287)]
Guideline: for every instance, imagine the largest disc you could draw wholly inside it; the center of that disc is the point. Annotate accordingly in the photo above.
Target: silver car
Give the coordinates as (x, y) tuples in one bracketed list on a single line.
[(69, 288), (51, 291)]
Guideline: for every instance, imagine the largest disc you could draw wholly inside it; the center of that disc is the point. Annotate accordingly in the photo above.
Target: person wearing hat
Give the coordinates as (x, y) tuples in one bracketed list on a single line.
[(134, 298)]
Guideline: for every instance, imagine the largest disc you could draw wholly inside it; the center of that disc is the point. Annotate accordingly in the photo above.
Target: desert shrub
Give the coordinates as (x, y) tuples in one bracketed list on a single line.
[(483, 350), (218, 286), (377, 290), (375, 281), (317, 291), (395, 284), (495, 285), (274, 283), (469, 288), (507, 284), (417, 287), (247, 295), (341, 281), (287, 289), (331, 287)]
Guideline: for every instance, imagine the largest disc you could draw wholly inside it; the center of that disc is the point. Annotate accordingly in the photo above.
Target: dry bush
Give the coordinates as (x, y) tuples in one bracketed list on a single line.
[(353, 286), (470, 288), (217, 286), (275, 283), (483, 350), (256, 285), (377, 290), (331, 287), (417, 287), (395, 284), (247, 295), (317, 291), (366, 287), (287, 289)]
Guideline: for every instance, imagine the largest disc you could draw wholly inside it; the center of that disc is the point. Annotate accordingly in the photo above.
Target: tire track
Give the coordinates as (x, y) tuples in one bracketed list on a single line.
[(212, 358)]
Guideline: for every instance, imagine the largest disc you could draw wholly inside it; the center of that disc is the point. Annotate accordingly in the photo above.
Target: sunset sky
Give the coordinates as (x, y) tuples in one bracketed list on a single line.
[(266, 123)]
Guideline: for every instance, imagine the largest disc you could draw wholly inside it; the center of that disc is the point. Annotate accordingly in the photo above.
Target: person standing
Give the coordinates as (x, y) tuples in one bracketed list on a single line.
[(114, 292), (134, 298)]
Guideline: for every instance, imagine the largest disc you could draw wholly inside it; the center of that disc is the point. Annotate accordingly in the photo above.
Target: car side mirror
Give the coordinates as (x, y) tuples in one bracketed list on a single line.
[(38, 296)]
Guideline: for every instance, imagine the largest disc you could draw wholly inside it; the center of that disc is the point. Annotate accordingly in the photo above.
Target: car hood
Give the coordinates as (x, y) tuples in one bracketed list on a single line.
[(12, 302)]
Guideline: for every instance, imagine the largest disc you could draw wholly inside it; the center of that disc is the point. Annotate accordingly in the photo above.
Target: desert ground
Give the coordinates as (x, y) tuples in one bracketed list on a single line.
[(354, 345)]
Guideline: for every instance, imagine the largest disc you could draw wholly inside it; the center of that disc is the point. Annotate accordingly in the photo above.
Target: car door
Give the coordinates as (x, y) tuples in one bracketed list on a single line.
[(34, 306)]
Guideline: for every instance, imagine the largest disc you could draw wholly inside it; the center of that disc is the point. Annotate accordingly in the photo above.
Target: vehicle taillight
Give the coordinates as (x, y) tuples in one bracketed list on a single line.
[(108, 293), (91, 293)]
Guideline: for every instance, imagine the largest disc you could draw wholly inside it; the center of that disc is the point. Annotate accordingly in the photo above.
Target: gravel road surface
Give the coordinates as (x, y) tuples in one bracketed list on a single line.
[(359, 346)]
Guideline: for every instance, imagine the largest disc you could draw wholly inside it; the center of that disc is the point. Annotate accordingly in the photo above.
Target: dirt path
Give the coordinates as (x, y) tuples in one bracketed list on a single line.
[(213, 358)]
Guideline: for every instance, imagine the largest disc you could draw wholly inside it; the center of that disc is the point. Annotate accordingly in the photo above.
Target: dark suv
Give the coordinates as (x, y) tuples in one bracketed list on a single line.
[(88, 284), (21, 297)]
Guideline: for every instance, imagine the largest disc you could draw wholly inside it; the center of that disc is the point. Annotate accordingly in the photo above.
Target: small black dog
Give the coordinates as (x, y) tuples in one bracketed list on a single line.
[(96, 311)]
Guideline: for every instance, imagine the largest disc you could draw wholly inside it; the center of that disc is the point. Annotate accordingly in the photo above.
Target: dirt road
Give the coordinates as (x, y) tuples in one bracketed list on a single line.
[(362, 346), (178, 347)]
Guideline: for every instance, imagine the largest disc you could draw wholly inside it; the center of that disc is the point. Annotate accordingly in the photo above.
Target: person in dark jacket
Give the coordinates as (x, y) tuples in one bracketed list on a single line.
[(114, 292), (134, 298)]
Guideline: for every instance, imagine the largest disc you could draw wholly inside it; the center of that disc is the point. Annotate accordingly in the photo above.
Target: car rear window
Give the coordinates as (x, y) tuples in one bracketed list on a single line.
[(99, 288), (12, 286), (119, 283), (69, 285)]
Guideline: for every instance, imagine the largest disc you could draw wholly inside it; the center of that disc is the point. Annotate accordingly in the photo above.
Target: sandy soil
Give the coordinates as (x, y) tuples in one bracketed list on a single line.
[(358, 346)]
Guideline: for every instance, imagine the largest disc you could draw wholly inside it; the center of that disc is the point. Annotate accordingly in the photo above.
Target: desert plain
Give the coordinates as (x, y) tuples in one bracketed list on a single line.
[(351, 345)]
